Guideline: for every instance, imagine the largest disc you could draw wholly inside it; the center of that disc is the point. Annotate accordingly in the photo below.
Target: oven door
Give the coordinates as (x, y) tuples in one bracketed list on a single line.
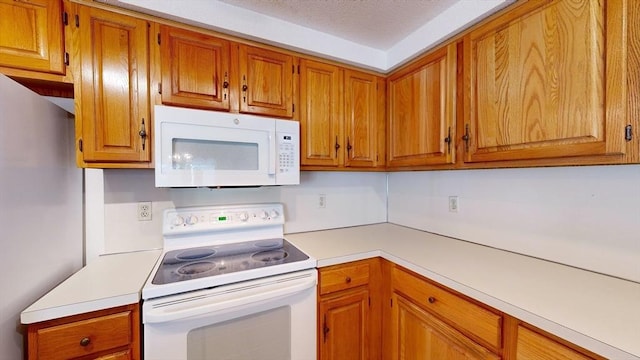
[(268, 318), (207, 148)]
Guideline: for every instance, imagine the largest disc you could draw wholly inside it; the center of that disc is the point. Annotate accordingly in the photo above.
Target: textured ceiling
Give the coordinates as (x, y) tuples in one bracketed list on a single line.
[(375, 23)]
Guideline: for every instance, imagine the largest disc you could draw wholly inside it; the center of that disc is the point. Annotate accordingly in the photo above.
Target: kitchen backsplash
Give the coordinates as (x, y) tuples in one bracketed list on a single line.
[(351, 199), (586, 217)]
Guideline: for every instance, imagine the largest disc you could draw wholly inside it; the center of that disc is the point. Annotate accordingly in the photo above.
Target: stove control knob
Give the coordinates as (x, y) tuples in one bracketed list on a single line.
[(274, 214), (178, 221), (264, 215), (192, 220), (244, 216)]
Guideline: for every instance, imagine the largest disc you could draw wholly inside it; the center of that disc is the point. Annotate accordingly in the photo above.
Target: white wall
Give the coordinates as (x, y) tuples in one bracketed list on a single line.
[(588, 217), (40, 205), (352, 199)]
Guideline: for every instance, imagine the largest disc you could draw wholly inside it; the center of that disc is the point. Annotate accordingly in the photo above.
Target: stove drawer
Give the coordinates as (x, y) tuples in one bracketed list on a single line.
[(342, 277), (94, 334)]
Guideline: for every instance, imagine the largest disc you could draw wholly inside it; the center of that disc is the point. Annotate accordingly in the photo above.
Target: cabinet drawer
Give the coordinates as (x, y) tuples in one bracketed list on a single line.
[(85, 337), (465, 315), (341, 277)]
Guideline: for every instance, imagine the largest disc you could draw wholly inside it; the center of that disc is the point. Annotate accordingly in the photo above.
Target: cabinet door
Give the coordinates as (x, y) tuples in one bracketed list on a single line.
[(266, 82), (31, 35), (421, 100), (320, 113), (114, 87), (195, 69), (547, 80), (344, 326), (362, 122), (416, 334), (534, 346)]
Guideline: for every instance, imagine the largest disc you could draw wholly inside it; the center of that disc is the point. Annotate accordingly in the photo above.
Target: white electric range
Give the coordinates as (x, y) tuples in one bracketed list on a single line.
[(226, 272)]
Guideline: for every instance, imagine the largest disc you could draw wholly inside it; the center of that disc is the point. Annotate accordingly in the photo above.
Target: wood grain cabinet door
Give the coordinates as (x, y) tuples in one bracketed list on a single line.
[(114, 87), (344, 326), (266, 82), (416, 334), (195, 69), (321, 113), (31, 35), (362, 121), (547, 80), (421, 104)]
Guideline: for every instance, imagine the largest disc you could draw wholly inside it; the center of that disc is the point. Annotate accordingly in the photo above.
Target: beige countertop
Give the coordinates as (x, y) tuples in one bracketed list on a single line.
[(598, 312), (109, 281)]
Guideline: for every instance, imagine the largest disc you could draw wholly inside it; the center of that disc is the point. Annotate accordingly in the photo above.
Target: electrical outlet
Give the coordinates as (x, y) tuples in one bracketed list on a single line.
[(322, 201), (453, 204), (144, 211)]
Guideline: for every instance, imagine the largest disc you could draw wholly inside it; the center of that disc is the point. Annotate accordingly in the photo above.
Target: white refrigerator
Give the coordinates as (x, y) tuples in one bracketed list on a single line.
[(41, 231)]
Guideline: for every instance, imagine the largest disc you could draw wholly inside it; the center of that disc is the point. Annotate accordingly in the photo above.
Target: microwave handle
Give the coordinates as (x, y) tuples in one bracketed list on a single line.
[(273, 156)]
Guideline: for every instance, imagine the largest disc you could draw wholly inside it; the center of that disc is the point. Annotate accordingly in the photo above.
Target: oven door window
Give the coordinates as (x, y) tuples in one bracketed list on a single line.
[(265, 335)]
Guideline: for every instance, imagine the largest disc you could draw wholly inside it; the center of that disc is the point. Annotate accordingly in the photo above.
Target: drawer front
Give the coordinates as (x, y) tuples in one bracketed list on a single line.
[(85, 337), (342, 277), (466, 315)]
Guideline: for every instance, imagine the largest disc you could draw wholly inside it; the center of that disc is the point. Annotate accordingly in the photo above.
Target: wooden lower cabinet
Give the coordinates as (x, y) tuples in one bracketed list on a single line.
[(349, 311), (112, 334), (417, 334)]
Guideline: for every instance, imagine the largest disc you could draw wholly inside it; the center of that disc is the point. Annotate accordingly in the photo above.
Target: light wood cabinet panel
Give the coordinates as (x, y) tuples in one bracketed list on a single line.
[(266, 82), (320, 113), (363, 120), (344, 328), (112, 334), (32, 35), (534, 346), (416, 334), (421, 101), (113, 90), (195, 69), (547, 80)]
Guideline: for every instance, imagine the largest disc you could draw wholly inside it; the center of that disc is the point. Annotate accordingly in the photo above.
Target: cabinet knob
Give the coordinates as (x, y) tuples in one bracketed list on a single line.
[(431, 299), (85, 341), (348, 279)]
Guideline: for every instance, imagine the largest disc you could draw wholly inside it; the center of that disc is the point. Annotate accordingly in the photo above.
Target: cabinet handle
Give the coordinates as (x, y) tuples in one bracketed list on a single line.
[(244, 88), (348, 279), (337, 146), (143, 134), (466, 137), (85, 341), (225, 85), (325, 328), (349, 147), (448, 141), (431, 299)]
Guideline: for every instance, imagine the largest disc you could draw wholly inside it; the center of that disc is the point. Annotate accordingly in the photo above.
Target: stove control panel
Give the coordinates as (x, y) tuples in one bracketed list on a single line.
[(213, 218)]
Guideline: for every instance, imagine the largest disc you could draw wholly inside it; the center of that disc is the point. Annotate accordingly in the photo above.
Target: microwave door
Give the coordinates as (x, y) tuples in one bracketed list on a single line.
[(209, 155)]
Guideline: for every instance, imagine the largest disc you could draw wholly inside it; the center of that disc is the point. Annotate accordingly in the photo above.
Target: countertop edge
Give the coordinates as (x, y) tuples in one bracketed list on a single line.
[(40, 315)]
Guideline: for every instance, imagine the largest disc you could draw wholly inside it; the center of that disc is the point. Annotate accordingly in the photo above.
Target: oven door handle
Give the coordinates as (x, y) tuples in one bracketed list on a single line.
[(215, 302)]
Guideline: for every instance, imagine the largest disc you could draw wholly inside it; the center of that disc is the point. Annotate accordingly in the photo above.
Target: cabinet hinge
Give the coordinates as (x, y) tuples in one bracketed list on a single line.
[(391, 302), (77, 20), (293, 107), (369, 301), (293, 69), (298, 69), (628, 132), (65, 18), (158, 38), (159, 88), (80, 145), (66, 58)]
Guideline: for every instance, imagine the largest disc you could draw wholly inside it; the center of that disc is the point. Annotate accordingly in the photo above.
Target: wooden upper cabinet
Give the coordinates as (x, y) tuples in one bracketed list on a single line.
[(31, 35), (320, 113), (421, 100), (266, 82), (547, 80), (364, 121), (113, 91), (195, 69)]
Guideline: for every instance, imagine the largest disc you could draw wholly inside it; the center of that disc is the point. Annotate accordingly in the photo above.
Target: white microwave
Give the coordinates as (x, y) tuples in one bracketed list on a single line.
[(200, 148)]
